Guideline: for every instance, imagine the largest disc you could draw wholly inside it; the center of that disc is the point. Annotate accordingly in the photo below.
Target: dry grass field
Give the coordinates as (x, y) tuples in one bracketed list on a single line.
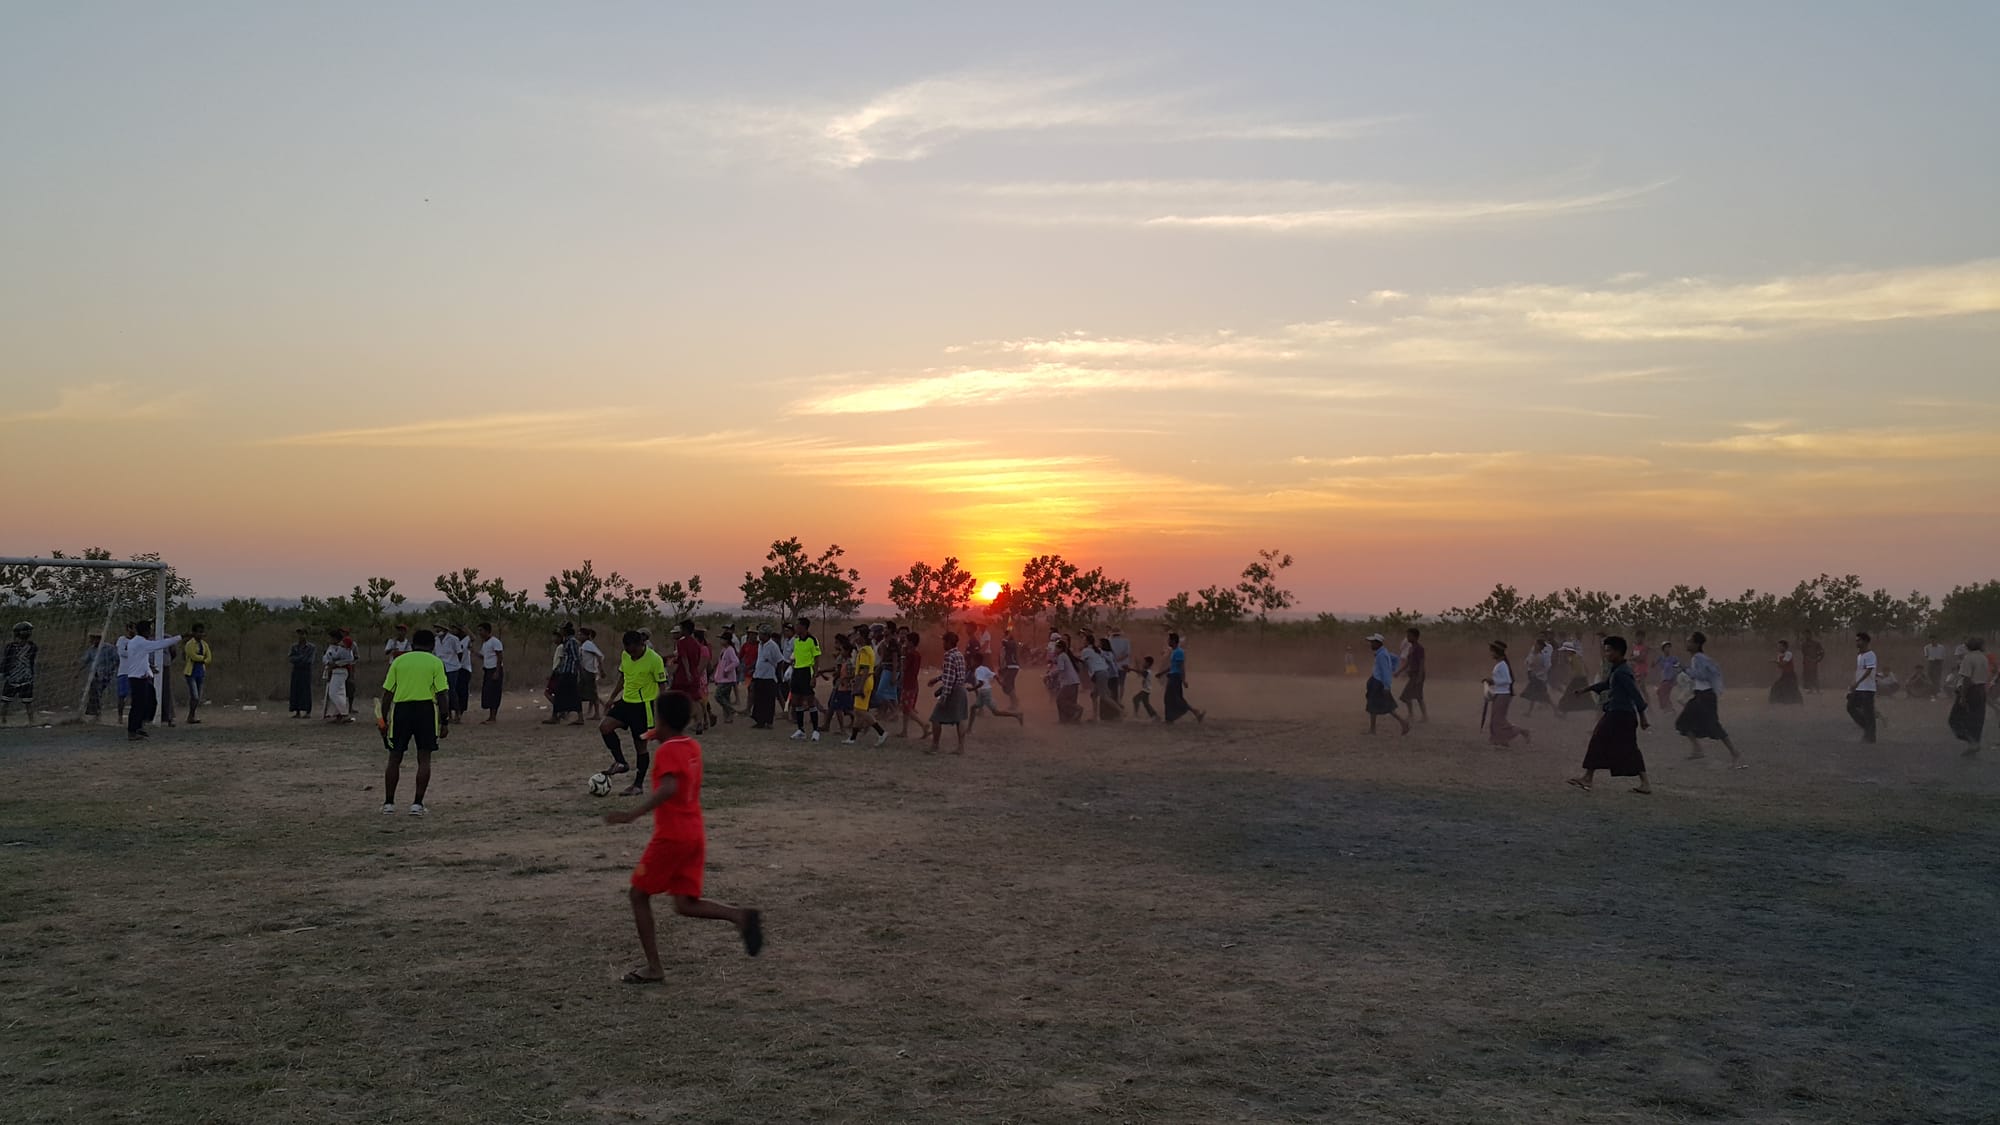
[(1267, 918)]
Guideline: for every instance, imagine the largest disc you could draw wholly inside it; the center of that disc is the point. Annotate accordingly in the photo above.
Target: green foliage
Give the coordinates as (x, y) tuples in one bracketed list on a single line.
[(1071, 597), (680, 601), (930, 594), (1971, 610), (242, 615), (1259, 589), (1217, 609), (796, 583)]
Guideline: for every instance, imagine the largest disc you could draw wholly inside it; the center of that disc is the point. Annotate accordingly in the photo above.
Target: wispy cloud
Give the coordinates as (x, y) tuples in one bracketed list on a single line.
[(1697, 309), (1277, 206), (106, 402), (914, 120), (1861, 444), (975, 386), (487, 431)]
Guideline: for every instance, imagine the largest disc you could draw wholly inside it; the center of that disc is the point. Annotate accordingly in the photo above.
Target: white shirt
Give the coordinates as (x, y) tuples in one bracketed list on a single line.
[(135, 655), (1933, 652), (1121, 654), (451, 650), (1785, 657), (1974, 668), (593, 658), (1503, 679), (768, 658), (1864, 671), (984, 677), (339, 658), (489, 652), (395, 647), (1094, 660)]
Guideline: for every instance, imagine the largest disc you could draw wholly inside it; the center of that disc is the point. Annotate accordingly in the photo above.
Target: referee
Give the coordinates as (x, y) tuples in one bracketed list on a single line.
[(416, 698)]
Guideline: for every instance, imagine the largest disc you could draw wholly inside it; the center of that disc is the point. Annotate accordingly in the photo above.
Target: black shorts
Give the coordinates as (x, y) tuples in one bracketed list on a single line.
[(802, 681), (413, 719), (636, 716)]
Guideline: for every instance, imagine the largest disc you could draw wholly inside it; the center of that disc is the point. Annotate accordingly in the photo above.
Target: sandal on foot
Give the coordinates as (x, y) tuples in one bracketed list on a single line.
[(1579, 783), (637, 977), (1643, 792)]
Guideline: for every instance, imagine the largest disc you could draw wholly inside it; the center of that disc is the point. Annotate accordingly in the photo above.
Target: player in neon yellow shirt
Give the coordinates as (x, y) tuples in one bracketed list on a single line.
[(416, 697), (635, 695), (805, 671)]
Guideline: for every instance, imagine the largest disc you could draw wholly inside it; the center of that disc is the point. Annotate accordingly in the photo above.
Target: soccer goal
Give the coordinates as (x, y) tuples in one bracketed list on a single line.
[(63, 619)]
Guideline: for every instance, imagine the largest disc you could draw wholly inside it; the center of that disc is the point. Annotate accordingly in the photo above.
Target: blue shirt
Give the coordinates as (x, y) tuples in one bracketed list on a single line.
[(1385, 666), (1177, 663)]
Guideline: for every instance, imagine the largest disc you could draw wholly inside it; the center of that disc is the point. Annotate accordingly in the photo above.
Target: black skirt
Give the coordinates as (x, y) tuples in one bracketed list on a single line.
[(1699, 718), (1614, 745), (1380, 702), (566, 698), (1968, 713), (489, 690), (1538, 691), (1786, 690), (1575, 698)]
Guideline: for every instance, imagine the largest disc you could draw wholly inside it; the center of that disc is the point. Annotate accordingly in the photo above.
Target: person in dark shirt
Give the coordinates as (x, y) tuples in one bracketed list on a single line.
[(1614, 745), (1415, 671)]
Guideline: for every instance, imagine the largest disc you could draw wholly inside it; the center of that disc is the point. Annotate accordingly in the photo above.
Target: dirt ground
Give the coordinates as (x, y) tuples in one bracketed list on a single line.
[(1271, 917)]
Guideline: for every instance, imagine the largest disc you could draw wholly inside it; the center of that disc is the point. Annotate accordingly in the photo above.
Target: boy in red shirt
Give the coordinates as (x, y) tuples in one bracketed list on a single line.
[(672, 861)]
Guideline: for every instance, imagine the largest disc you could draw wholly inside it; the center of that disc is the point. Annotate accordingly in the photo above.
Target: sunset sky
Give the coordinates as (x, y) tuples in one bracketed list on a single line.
[(1428, 295)]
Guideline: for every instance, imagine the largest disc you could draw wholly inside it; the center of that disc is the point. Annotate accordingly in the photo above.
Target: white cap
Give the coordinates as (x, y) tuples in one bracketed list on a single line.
[(1378, 638)]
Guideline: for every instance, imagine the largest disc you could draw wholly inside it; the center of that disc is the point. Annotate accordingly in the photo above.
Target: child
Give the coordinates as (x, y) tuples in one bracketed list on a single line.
[(985, 677), (672, 862), (1144, 700)]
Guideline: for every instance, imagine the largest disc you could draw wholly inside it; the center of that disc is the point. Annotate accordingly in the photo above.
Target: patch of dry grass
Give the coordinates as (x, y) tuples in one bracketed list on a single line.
[(1268, 918)]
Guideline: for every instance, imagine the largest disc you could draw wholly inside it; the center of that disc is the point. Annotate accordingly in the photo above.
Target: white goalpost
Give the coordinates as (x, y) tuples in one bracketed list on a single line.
[(51, 670)]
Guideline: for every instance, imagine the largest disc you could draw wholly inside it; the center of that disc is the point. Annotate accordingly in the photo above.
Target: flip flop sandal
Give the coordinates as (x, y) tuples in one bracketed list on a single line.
[(1578, 782), (636, 977)]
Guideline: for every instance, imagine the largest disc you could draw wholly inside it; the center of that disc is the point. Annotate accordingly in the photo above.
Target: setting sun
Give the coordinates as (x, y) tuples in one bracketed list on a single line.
[(989, 591)]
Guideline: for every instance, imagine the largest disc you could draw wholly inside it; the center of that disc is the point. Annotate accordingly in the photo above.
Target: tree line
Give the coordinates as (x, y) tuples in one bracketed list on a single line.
[(796, 581)]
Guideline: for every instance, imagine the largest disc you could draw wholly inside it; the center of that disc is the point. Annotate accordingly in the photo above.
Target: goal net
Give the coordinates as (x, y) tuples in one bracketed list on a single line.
[(60, 621)]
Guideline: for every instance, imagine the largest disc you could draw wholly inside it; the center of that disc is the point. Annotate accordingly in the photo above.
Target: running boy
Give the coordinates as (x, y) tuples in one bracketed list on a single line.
[(1144, 700), (672, 862)]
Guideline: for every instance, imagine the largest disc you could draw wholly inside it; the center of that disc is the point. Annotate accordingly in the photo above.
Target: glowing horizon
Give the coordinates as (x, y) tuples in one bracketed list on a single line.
[(1423, 321)]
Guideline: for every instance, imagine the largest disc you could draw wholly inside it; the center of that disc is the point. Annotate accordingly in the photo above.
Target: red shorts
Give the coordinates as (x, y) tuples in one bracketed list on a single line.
[(671, 865)]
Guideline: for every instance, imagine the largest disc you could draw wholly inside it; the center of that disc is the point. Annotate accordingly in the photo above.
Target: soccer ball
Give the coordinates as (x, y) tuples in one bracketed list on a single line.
[(600, 785)]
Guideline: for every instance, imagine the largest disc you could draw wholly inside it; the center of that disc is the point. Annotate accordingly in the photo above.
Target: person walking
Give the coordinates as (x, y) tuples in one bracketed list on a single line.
[(1416, 670), (952, 708), (591, 665), (1934, 654), (1861, 694), (1177, 702), (565, 683), (1143, 699), (1968, 706), (1068, 678), (1381, 674), (1812, 654), (912, 686), (1669, 670), (728, 673), (1785, 689), (1614, 744), (1500, 688), (1701, 719), (1541, 659)]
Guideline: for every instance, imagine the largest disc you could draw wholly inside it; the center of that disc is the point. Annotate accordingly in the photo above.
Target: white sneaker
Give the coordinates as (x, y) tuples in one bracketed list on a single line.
[(881, 740), (815, 737), (799, 735), (389, 809), (418, 810)]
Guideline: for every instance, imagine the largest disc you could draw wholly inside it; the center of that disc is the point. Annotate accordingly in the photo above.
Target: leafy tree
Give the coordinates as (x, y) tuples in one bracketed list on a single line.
[(1260, 591), (626, 605), (1499, 612), (1073, 598), (930, 594), (1971, 611), (1006, 605), (462, 591), (372, 603), (580, 594), (680, 601), (1216, 609), (796, 583), (243, 615)]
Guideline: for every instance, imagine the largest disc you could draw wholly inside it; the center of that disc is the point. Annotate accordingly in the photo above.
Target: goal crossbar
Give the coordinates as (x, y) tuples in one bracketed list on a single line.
[(87, 564)]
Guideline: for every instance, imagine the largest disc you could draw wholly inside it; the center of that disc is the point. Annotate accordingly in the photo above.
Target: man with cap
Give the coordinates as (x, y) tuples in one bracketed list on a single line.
[(397, 645), (1380, 702), (17, 672)]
